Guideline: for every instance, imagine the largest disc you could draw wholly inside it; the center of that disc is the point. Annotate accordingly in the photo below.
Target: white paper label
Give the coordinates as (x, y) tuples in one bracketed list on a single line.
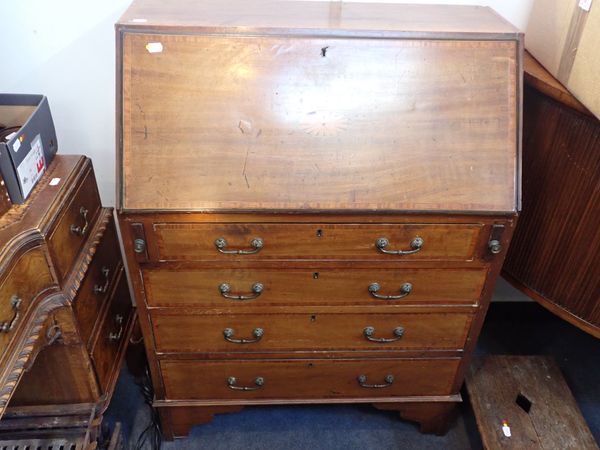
[(154, 47), (8, 137), (32, 167), (54, 181), (585, 4), (506, 430), (16, 145)]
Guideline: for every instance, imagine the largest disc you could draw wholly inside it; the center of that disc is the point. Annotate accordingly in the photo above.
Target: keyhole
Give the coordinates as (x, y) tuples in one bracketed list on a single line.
[(324, 52), (313, 318), (319, 233), (316, 275)]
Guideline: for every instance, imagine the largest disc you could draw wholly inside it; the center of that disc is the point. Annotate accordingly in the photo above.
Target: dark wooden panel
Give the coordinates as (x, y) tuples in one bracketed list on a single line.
[(225, 122), (556, 247), (310, 332), (112, 335), (307, 378), (61, 372), (201, 287), (98, 283)]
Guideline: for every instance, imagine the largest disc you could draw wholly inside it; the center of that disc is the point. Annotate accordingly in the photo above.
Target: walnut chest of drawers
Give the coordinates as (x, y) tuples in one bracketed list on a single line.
[(65, 308), (315, 199)]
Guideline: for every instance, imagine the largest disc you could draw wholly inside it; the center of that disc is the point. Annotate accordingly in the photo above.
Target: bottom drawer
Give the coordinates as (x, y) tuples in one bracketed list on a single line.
[(112, 333), (302, 379)]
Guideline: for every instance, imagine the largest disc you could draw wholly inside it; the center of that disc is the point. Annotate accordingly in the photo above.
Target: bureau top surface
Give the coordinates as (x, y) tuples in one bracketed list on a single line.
[(261, 120), (248, 15)]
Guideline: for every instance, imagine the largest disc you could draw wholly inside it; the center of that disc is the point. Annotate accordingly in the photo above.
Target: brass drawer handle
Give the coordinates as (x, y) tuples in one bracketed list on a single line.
[(225, 289), (258, 381), (228, 333), (15, 303), (368, 333), (76, 229), (375, 287), (115, 337), (362, 381), (257, 244), (416, 245), (102, 289)]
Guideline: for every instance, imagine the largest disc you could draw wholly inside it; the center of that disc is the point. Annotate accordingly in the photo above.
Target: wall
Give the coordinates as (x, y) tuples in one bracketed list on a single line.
[(65, 49)]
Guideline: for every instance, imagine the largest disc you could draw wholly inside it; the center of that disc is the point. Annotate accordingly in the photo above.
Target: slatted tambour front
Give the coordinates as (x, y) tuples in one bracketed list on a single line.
[(314, 195), (266, 122)]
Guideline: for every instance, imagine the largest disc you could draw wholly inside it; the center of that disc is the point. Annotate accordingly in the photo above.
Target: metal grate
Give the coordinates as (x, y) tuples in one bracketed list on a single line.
[(43, 444)]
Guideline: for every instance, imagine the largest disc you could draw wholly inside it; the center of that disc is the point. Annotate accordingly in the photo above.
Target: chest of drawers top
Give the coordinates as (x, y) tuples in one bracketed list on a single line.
[(317, 106)]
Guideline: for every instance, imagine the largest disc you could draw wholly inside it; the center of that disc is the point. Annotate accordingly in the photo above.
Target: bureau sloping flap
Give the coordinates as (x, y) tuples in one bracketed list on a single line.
[(222, 122)]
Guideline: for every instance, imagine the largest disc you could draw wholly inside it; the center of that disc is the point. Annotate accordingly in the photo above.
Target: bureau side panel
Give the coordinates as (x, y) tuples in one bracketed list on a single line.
[(213, 122)]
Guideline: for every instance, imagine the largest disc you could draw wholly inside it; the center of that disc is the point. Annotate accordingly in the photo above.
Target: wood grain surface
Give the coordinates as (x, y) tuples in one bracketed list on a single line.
[(196, 241), (307, 378), (225, 122), (555, 252), (322, 286), (63, 242), (546, 415), (292, 16), (179, 332)]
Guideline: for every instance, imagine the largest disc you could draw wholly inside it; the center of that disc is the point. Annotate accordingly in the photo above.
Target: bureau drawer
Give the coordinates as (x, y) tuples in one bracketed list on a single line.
[(27, 277), (319, 286), (289, 379), (226, 242), (98, 282), (310, 332), (112, 334), (74, 225)]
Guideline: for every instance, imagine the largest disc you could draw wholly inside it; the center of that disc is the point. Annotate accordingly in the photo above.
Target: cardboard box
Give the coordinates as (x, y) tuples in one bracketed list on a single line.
[(27, 142), (564, 36)]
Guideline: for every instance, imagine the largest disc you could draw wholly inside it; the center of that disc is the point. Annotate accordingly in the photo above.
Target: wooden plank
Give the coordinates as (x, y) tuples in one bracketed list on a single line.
[(531, 395)]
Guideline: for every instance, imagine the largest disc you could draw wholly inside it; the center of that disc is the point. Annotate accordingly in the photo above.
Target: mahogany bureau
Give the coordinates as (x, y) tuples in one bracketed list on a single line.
[(315, 199), (65, 308)]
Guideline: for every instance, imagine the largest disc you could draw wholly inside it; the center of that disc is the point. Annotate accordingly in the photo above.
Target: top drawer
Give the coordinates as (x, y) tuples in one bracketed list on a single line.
[(261, 241), (75, 224)]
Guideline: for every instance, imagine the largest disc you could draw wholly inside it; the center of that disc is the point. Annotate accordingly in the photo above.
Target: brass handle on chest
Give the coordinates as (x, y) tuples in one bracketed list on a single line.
[(78, 230), (225, 289), (15, 303), (229, 332), (416, 245), (362, 381), (106, 275), (257, 244), (115, 337), (368, 333), (258, 381), (375, 287)]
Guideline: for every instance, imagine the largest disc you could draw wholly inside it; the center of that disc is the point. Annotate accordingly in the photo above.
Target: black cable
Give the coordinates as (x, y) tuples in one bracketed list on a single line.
[(152, 434)]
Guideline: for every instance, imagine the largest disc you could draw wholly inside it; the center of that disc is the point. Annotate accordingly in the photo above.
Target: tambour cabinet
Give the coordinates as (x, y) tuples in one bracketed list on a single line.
[(65, 308), (315, 199)]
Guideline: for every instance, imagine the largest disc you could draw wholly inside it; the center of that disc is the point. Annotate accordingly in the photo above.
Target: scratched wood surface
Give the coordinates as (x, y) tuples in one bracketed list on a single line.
[(240, 122), (532, 396)]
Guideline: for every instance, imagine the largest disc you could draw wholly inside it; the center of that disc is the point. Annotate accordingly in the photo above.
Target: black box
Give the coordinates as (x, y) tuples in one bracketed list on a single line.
[(27, 142)]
